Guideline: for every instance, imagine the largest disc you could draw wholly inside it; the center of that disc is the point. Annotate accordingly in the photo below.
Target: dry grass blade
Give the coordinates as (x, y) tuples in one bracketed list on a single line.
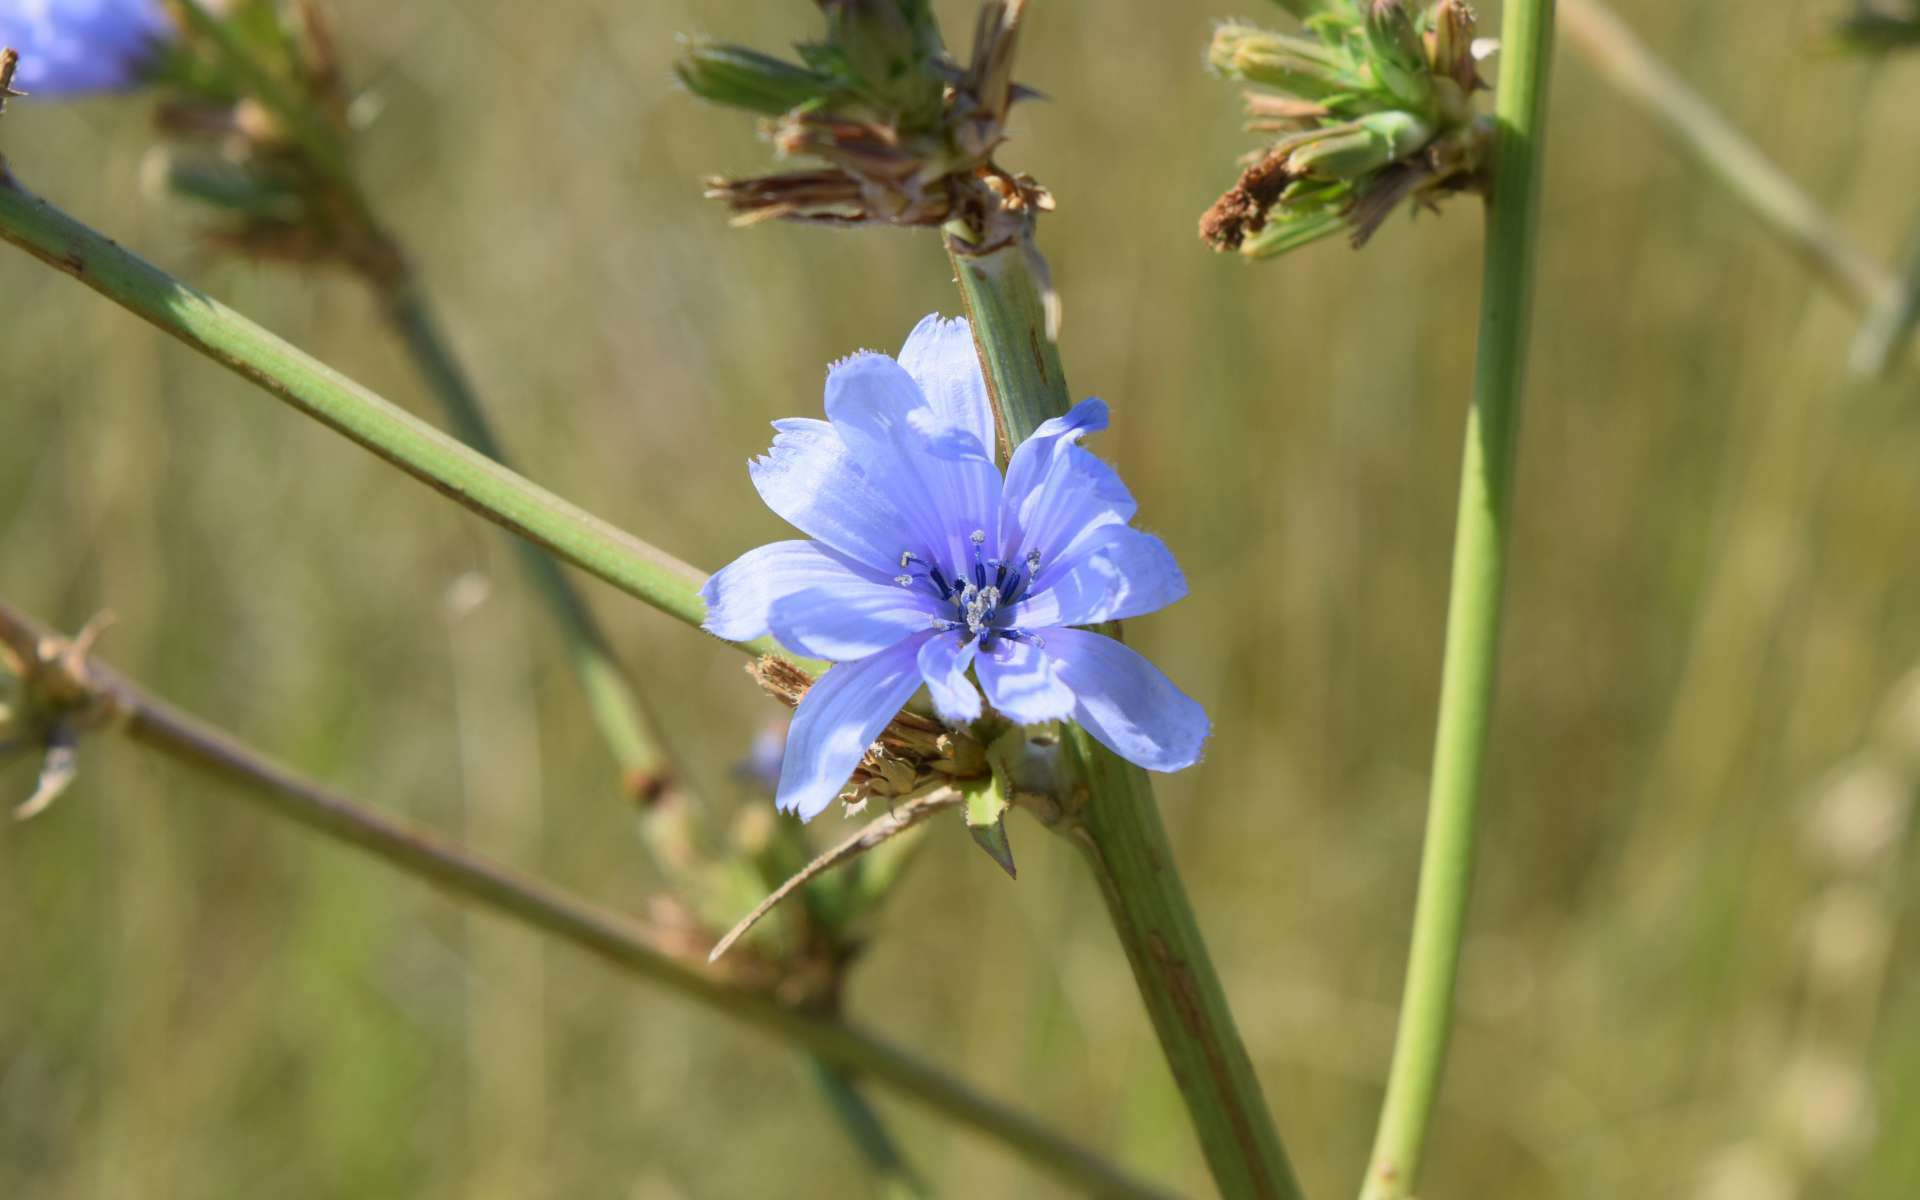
[(57, 772), (875, 832)]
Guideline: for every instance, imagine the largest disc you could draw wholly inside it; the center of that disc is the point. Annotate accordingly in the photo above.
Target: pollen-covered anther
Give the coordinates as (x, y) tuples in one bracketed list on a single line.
[(980, 609)]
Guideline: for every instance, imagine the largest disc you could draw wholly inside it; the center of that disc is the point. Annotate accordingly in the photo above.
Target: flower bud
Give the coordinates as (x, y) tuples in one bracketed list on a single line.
[(1397, 54), (888, 46), (1286, 231), (1361, 147), (1450, 44), (1295, 65), (743, 78), (253, 195)]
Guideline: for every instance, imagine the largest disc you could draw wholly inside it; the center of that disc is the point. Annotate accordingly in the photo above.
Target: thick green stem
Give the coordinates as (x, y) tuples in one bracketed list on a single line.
[(1781, 206), (1473, 612), (322, 393), (616, 707), (541, 906), (1118, 825)]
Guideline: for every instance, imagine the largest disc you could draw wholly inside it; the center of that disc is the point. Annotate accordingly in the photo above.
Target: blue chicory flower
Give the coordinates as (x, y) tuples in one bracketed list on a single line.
[(69, 47), (925, 562), (761, 766)]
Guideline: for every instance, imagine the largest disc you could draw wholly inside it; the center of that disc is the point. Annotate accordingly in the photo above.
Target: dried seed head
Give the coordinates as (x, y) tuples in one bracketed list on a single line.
[(1367, 122), (780, 679), (905, 134)]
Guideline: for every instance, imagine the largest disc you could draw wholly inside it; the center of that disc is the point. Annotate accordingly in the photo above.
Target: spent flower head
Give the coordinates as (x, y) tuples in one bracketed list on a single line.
[(923, 563), (1372, 105), (900, 132), (72, 47)]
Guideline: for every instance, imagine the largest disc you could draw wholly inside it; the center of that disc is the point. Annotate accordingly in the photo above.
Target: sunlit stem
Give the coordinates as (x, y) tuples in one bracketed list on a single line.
[(443, 463), (1783, 207), (1473, 612), (611, 697), (846, 1051), (1118, 827)]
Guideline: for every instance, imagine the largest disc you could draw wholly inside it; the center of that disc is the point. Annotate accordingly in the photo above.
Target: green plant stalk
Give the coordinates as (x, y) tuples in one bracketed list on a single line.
[(1473, 609), (1118, 827), (894, 1178), (616, 707), (569, 918), (1781, 206), (443, 463), (1889, 328)]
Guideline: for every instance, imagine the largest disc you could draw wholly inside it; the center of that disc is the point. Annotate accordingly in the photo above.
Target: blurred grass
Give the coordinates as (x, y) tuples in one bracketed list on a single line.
[(1715, 592)]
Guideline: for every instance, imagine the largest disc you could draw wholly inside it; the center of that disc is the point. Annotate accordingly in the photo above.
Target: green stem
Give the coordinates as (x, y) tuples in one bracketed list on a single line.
[(1473, 613), (611, 698), (1118, 827), (894, 1178), (551, 910), (1890, 327), (1781, 206), (441, 462)]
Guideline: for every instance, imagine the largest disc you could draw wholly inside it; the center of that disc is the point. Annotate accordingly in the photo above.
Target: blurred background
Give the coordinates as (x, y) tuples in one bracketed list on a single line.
[(1690, 970)]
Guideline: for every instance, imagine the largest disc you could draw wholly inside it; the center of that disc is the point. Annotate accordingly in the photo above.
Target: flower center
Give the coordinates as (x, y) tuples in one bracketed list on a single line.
[(972, 599)]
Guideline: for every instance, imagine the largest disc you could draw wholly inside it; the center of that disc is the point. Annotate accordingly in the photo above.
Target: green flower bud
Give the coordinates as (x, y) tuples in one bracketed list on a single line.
[(1450, 44), (1286, 231), (235, 189), (1397, 54), (888, 48), (1297, 66), (1360, 147), (743, 78)]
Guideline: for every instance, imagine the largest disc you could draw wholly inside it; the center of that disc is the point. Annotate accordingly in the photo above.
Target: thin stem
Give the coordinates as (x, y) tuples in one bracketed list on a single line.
[(611, 698), (1473, 612), (1774, 199), (1118, 827), (617, 708), (1889, 328), (551, 910), (441, 462), (894, 1177)]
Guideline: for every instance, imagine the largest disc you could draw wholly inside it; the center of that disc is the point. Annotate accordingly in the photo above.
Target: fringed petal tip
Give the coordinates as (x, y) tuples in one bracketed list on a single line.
[(941, 356)]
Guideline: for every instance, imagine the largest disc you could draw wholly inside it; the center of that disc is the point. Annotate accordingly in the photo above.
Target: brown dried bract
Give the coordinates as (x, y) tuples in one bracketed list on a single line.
[(9, 62), (1243, 210)]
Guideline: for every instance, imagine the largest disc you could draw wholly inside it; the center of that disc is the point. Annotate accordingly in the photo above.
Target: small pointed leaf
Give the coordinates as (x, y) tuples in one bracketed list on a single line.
[(986, 814)]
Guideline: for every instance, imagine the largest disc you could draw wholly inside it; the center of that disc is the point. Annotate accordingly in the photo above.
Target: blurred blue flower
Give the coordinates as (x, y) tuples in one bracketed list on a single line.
[(925, 562), (761, 766), (72, 46)]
